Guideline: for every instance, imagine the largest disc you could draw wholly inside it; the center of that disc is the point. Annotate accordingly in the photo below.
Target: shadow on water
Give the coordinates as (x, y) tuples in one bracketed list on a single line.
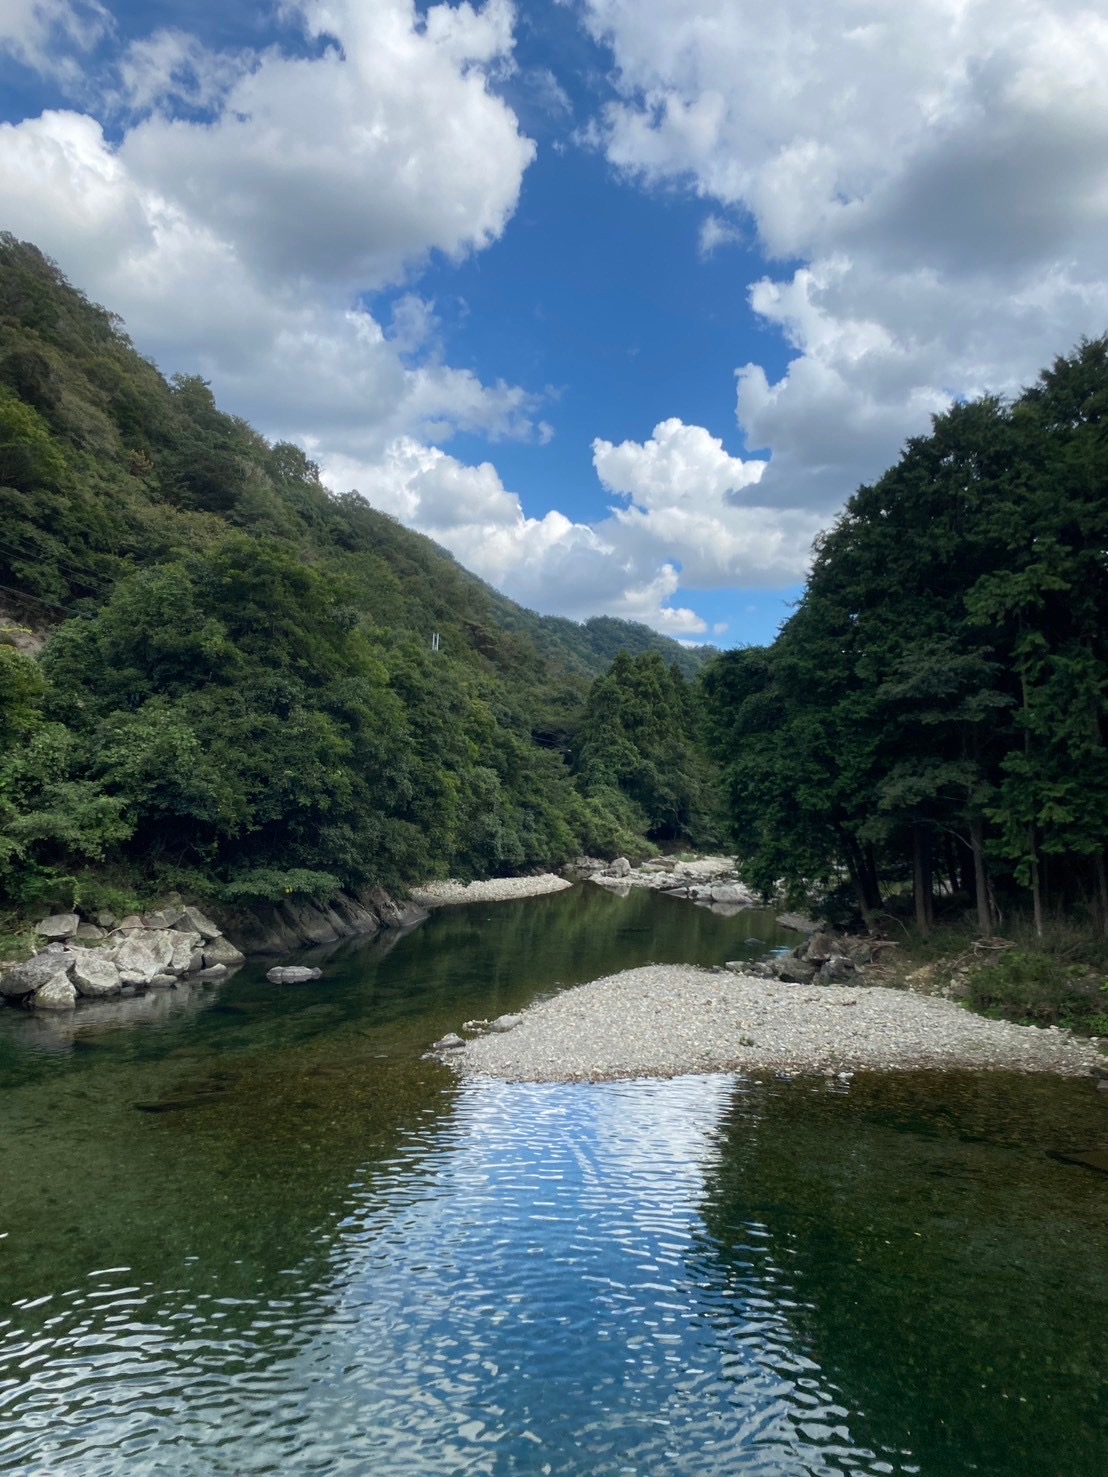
[(941, 1268), (252, 1229)]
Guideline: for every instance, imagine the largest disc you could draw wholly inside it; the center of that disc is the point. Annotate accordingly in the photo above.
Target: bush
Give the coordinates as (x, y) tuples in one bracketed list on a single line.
[(1037, 989)]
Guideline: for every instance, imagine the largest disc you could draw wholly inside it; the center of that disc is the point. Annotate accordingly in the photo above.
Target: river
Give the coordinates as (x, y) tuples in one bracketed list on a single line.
[(251, 1229)]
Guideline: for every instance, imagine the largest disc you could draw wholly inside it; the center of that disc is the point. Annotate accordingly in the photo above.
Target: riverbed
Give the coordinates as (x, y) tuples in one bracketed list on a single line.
[(253, 1229)]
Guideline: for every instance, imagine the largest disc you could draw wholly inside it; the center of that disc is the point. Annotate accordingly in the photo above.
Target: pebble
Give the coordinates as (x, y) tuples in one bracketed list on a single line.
[(496, 890), (660, 1021)]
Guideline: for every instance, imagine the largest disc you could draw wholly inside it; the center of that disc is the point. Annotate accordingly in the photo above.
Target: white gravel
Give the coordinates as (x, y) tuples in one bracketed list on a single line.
[(496, 890), (667, 1020)]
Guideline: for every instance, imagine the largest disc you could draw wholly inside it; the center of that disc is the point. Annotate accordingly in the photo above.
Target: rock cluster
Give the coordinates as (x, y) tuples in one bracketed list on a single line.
[(823, 959), (93, 961), (706, 879)]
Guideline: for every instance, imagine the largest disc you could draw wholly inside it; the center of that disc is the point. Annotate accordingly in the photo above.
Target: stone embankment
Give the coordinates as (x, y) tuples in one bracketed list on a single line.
[(712, 881), (284, 927), (667, 1020), (96, 960)]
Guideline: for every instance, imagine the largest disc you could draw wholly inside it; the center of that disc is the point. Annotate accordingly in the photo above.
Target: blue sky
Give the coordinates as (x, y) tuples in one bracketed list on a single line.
[(617, 299)]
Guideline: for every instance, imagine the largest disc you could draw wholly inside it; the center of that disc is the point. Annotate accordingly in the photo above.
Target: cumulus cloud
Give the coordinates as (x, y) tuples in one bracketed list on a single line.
[(688, 498), (940, 170), (683, 523), (237, 246)]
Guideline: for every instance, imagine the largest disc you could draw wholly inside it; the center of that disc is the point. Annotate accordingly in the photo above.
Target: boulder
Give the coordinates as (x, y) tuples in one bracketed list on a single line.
[(89, 931), (183, 947), (162, 981), (163, 918), (25, 978), (94, 972), (56, 994), (213, 972), (222, 951), (58, 926), (449, 1042), (797, 922), (621, 867), (196, 961), (731, 892), (837, 969), (106, 920), (795, 971), (820, 947), (193, 921), (142, 955), (505, 1023), (129, 924), (293, 974)]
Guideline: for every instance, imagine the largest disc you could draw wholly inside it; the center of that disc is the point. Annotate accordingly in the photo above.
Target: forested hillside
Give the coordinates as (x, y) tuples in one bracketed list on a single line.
[(935, 710), (239, 689)]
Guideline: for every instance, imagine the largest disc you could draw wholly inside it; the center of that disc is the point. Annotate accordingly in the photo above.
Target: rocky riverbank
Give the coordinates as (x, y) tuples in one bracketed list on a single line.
[(668, 1020), (712, 881), (100, 958), (95, 960)]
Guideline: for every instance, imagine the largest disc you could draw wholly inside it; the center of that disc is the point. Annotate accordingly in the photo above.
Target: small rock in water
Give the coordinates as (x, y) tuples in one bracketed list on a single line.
[(449, 1042), (293, 974), (505, 1023)]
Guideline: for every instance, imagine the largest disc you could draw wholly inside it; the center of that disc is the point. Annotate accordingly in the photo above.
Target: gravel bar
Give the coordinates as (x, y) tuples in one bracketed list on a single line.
[(668, 1020), (496, 890)]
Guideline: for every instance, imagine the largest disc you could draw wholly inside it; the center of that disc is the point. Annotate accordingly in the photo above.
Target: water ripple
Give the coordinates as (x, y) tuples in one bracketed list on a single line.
[(530, 1287)]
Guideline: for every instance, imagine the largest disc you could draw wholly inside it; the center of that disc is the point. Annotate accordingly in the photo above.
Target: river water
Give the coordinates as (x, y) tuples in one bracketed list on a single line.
[(250, 1229)]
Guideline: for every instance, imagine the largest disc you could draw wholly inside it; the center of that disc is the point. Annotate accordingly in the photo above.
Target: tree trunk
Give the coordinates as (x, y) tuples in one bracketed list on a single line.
[(872, 881), (1036, 882), (1102, 892), (981, 877), (856, 866), (921, 877)]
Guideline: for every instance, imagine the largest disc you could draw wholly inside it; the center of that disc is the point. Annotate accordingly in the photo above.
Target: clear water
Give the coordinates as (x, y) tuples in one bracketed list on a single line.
[(251, 1230)]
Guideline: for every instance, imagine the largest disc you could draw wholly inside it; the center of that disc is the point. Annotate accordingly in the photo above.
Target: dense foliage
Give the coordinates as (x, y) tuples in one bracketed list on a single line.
[(239, 687), (935, 708)]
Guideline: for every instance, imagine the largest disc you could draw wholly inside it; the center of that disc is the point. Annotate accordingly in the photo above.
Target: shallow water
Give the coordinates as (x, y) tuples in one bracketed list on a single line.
[(251, 1230)]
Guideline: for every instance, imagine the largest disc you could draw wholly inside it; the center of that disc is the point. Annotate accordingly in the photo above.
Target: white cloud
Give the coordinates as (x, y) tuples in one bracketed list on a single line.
[(44, 34), (940, 169), (692, 502), (716, 232), (173, 67), (237, 248), (685, 526)]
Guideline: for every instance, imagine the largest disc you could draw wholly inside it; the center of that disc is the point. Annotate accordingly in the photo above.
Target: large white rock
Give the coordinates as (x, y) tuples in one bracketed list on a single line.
[(185, 945), (56, 994), (731, 892), (23, 979), (195, 921), (94, 972), (222, 951), (58, 926), (141, 956)]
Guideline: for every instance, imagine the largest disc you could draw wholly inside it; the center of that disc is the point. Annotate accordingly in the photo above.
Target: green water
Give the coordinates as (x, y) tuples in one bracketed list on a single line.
[(252, 1229)]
